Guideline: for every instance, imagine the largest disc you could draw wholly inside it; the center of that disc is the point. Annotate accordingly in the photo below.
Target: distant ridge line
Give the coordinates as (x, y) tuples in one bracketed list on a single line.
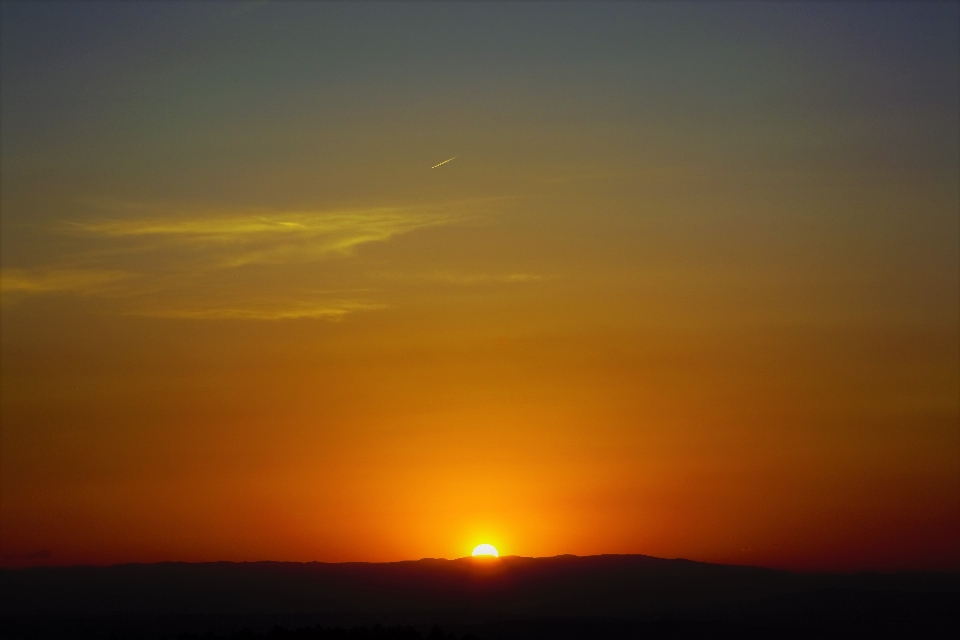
[(617, 585), (385, 562)]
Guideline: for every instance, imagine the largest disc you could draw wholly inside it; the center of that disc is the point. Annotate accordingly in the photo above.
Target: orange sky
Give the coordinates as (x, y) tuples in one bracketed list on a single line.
[(689, 289)]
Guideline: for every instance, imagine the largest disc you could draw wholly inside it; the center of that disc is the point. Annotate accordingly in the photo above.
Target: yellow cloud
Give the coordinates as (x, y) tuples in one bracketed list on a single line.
[(38, 281), (459, 278), (178, 254), (233, 239), (285, 311)]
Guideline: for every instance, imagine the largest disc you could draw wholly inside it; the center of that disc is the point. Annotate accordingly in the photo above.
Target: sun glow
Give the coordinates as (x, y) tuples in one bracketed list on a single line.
[(485, 550)]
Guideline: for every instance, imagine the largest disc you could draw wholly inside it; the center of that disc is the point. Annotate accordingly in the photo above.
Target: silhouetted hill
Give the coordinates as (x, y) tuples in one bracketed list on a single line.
[(473, 594)]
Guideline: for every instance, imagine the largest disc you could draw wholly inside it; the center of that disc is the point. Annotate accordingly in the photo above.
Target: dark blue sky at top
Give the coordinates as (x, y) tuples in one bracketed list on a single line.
[(569, 62), (144, 98)]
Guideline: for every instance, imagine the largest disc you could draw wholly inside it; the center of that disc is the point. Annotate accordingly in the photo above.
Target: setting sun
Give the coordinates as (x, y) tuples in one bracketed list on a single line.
[(485, 550)]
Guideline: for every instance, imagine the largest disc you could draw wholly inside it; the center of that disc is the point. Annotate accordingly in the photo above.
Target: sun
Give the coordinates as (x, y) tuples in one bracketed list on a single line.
[(485, 550)]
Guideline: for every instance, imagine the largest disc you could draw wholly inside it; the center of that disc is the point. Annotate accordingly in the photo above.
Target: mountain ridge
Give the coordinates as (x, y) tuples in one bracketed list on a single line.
[(607, 584), (507, 597)]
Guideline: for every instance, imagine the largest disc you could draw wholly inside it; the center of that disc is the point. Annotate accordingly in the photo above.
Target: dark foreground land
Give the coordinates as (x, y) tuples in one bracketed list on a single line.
[(510, 598)]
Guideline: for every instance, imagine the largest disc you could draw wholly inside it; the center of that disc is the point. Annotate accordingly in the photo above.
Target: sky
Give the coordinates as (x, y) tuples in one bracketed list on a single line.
[(690, 287)]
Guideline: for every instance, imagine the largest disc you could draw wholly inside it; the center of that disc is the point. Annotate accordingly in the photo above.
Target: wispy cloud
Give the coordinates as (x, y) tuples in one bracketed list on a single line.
[(445, 277), (332, 310), (39, 281), (257, 236), (169, 261)]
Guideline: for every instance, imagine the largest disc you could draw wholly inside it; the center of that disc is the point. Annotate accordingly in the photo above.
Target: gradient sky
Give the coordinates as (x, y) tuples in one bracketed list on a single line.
[(690, 288)]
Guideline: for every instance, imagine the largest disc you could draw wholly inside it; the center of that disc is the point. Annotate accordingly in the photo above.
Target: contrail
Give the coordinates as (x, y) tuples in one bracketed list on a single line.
[(444, 162)]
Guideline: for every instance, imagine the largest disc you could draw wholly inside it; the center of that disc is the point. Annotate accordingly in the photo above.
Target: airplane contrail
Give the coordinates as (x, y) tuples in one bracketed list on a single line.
[(444, 162)]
